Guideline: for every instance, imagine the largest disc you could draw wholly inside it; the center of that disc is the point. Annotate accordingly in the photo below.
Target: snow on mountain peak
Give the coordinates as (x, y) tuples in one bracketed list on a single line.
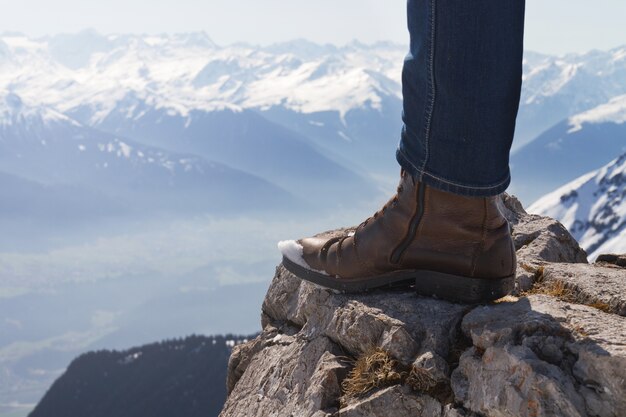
[(89, 75), (185, 72), (14, 111), (576, 76), (619, 54), (592, 208), (614, 111)]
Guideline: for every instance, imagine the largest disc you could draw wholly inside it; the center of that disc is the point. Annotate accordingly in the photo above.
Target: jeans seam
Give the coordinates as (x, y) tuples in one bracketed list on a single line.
[(467, 186), (431, 69)]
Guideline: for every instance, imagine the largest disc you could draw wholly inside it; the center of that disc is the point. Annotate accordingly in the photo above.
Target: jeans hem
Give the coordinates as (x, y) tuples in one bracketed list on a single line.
[(443, 184)]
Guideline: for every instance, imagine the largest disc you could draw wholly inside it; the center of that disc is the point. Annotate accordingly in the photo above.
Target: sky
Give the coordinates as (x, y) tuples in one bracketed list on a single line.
[(552, 26)]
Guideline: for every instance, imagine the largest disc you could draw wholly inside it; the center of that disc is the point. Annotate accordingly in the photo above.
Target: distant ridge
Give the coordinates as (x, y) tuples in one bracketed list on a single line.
[(180, 377)]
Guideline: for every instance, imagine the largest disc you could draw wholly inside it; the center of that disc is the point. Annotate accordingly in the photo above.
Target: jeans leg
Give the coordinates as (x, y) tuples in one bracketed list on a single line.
[(461, 85)]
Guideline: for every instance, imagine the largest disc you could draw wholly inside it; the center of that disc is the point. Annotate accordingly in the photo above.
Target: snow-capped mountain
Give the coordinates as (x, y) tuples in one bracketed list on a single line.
[(569, 149), (183, 93), (592, 207), (557, 87), (346, 98), (184, 72), (260, 108), (44, 146), (184, 76)]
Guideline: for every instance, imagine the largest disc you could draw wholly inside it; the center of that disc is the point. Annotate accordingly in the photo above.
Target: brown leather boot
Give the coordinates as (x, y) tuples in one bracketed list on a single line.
[(450, 246)]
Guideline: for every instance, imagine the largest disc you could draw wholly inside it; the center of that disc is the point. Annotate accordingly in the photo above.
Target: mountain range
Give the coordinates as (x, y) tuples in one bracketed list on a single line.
[(557, 87), (288, 111), (43, 146)]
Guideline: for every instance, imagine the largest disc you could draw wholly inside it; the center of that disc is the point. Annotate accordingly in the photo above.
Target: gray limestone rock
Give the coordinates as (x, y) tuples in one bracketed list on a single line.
[(435, 365), (401, 321), (600, 284), (539, 238), (543, 356), (241, 356), (263, 371), (396, 401), (291, 376), (612, 259), (450, 411)]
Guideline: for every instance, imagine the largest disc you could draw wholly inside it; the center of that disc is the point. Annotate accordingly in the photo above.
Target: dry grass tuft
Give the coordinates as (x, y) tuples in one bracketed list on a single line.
[(421, 380), (528, 268), (377, 369), (537, 271), (374, 369), (507, 299), (601, 306), (564, 292), (555, 288)]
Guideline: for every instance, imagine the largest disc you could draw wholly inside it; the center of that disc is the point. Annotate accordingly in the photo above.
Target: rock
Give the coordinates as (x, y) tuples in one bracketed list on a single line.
[(262, 371), (541, 357), (291, 374), (539, 238), (530, 356), (399, 320), (600, 285), (613, 259), (396, 401), (450, 411), (525, 277), (435, 365), (243, 353)]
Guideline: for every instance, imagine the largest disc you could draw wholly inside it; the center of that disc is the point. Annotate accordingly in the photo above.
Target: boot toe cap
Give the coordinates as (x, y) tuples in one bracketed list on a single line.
[(303, 252)]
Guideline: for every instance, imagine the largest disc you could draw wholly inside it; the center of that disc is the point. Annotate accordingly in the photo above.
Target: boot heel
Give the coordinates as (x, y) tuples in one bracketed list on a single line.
[(462, 289)]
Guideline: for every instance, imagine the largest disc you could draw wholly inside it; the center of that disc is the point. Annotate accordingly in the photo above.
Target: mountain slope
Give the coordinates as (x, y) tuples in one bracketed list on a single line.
[(183, 377), (43, 145), (242, 139), (569, 149), (556, 87), (24, 199), (592, 207)]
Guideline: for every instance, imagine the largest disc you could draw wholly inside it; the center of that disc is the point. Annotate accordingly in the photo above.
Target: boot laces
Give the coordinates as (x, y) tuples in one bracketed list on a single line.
[(391, 203)]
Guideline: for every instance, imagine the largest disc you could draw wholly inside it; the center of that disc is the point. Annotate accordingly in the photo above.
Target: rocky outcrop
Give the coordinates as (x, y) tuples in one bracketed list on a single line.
[(542, 353), (542, 357)]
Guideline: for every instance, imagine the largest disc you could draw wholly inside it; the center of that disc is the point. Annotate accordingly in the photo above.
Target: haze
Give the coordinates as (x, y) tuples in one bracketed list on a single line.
[(553, 26)]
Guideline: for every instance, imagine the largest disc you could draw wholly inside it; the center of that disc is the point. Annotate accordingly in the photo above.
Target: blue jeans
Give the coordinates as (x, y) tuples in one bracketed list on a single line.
[(461, 85)]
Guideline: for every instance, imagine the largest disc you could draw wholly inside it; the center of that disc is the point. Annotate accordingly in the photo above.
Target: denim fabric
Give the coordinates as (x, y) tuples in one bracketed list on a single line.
[(461, 84)]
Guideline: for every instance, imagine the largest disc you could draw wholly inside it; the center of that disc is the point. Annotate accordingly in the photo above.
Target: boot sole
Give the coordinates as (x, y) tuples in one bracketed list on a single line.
[(456, 288)]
